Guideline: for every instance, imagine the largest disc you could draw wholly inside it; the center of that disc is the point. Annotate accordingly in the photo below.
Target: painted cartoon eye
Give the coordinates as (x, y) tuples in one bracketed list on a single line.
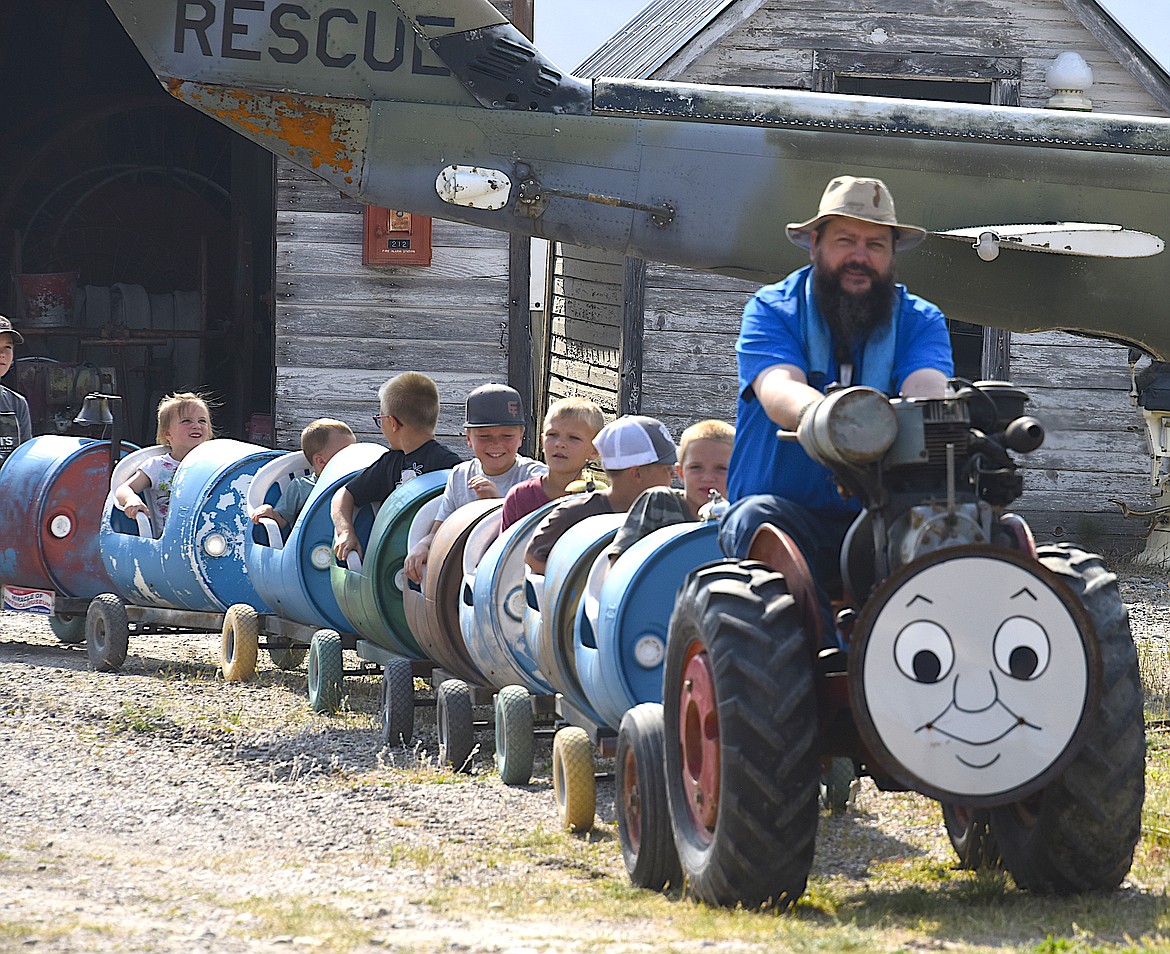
[(923, 651), (1021, 648)]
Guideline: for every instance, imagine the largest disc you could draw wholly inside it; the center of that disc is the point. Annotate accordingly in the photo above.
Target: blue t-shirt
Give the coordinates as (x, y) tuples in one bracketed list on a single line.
[(771, 333)]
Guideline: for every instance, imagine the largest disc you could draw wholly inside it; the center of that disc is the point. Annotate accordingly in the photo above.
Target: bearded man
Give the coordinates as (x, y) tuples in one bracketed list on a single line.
[(843, 320)]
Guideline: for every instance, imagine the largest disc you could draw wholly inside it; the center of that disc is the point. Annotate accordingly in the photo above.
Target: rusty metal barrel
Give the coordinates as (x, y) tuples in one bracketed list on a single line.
[(52, 489)]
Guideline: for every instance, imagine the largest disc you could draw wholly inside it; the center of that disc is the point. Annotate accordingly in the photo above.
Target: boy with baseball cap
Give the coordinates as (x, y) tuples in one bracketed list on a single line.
[(494, 429), (15, 422), (637, 453)]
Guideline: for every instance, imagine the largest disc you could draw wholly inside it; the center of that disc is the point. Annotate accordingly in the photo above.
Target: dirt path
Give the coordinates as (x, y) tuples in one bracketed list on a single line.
[(162, 810)]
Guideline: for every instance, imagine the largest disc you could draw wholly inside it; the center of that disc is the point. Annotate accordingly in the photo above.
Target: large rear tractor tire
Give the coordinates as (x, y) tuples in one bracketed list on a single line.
[(1079, 833), (742, 759), (643, 815)]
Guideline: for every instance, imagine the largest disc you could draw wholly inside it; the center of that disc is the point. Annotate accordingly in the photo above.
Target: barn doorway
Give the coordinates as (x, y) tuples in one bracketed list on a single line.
[(135, 233)]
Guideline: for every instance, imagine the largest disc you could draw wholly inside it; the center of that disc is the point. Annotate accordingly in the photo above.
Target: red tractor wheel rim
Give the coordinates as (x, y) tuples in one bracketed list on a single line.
[(698, 732), (632, 801)]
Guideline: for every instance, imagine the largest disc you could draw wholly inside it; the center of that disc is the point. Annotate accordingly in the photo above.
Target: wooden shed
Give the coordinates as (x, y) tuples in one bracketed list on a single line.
[(655, 339)]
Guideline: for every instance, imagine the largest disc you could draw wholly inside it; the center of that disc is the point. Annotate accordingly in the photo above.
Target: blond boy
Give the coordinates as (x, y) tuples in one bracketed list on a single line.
[(409, 405), (567, 439), (704, 454), (637, 453), (320, 442)]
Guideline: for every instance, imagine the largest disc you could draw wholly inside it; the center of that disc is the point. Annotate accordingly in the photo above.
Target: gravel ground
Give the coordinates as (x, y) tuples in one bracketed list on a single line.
[(159, 809)]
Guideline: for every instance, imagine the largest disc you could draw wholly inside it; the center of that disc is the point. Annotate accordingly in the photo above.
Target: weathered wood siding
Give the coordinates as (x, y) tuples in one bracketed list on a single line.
[(584, 340), (343, 328), (1095, 448), (691, 323), (779, 44)]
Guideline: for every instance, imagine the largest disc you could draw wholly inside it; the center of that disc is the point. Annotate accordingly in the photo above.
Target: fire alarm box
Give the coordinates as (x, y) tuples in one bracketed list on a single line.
[(396, 238)]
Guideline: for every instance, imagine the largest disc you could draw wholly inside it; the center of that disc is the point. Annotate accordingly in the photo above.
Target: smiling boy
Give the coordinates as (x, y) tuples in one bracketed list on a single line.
[(494, 430)]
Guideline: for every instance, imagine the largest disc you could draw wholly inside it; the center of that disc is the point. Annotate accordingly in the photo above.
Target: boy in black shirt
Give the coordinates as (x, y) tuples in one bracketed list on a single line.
[(410, 412)]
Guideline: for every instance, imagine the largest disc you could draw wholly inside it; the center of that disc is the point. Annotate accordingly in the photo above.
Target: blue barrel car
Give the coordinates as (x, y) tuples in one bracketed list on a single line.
[(289, 569), (622, 622), (292, 575), (194, 564)]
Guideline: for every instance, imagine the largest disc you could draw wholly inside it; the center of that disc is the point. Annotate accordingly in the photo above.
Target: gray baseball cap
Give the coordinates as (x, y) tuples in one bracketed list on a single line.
[(494, 405), (6, 326)]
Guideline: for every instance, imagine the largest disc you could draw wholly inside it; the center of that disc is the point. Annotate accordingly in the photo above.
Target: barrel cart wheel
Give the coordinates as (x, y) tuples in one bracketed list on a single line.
[(742, 758), (397, 703), (326, 672), (1079, 832), (455, 722), (288, 658), (239, 643), (573, 779), (515, 735), (643, 814), (107, 633), (68, 628), (969, 830)]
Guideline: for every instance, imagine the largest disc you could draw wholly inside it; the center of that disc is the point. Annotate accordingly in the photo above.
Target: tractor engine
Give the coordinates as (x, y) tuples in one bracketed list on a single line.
[(930, 473)]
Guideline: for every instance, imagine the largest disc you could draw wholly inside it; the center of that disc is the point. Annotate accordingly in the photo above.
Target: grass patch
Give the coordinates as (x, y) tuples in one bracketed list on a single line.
[(300, 919), (133, 718)]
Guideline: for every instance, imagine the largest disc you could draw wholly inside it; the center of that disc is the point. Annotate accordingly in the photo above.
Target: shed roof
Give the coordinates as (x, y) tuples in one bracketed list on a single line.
[(653, 36), (1139, 42)]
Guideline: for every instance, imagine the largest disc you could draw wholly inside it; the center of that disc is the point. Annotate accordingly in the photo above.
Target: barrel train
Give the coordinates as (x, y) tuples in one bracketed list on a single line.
[(721, 687)]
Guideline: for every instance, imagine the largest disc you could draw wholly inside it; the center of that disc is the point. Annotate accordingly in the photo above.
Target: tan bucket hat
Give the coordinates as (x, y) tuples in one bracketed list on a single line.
[(865, 199)]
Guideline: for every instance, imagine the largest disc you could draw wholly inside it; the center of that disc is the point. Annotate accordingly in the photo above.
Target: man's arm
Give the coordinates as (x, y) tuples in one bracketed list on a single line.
[(784, 393), (925, 383)]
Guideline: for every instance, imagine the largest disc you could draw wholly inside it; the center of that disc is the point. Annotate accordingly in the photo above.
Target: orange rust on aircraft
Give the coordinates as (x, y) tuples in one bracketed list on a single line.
[(313, 124)]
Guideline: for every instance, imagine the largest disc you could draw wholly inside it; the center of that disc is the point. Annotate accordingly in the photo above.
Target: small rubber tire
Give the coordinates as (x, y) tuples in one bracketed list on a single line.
[(573, 779), (326, 672), (969, 831), (1079, 832), (107, 633), (397, 703), (288, 658), (68, 628), (515, 735), (643, 815), (837, 785), (239, 645), (455, 724)]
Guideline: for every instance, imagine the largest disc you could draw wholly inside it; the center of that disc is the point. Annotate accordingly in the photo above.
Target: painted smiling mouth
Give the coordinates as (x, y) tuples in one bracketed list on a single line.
[(977, 728)]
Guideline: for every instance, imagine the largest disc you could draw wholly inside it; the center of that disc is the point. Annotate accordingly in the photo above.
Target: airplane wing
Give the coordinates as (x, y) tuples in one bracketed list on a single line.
[(441, 107)]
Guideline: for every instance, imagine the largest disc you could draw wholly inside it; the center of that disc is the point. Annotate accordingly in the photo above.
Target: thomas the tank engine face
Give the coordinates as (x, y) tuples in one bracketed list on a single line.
[(976, 676)]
